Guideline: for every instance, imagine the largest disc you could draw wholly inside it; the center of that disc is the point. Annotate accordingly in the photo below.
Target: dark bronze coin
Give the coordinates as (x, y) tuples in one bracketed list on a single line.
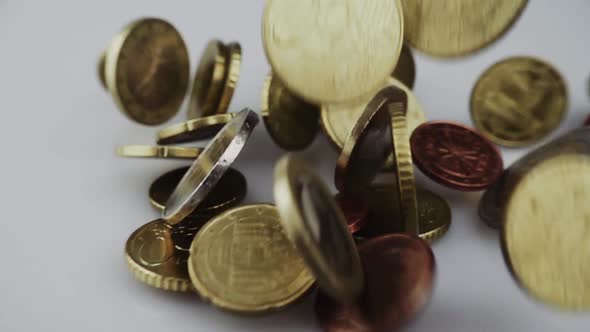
[(399, 273), (355, 209)]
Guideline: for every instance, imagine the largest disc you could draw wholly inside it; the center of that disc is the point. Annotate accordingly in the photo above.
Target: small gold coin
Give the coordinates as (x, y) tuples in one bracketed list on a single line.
[(154, 259), (519, 101), (234, 66), (158, 152), (147, 71), (405, 71), (326, 52), (242, 261), (291, 122), (453, 28), (546, 231), (209, 81), (193, 130)]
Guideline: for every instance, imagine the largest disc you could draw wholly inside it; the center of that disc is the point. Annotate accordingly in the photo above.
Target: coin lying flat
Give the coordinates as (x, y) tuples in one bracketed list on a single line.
[(405, 71), (519, 101), (193, 130), (331, 42), (242, 261), (209, 80), (315, 224), (158, 152), (458, 27), (546, 231), (291, 122), (147, 71), (234, 66)]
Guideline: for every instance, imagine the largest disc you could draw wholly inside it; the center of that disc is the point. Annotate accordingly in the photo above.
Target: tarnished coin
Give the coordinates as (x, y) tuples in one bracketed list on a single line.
[(209, 167), (316, 225), (456, 156), (355, 210), (154, 260), (324, 50), (291, 122), (400, 272), (519, 101), (545, 234), (158, 152), (453, 28), (227, 193), (242, 261), (147, 71), (209, 81), (193, 130), (405, 71), (234, 67)]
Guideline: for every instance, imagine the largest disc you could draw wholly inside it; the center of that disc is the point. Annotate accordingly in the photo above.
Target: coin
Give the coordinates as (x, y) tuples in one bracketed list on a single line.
[(159, 152), (209, 167), (325, 52), (314, 222), (242, 261), (489, 209), (458, 27), (193, 130), (400, 272), (155, 261), (355, 210), (227, 193), (291, 122), (147, 71), (100, 67), (518, 101), (209, 81), (405, 71), (545, 234), (234, 66)]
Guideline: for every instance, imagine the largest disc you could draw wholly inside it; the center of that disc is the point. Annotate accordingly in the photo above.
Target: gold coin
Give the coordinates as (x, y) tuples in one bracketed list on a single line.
[(290, 121), (147, 71), (209, 81), (317, 226), (326, 52), (154, 260), (193, 130), (546, 231), (458, 27), (518, 101), (234, 66), (405, 71), (159, 152), (242, 261)]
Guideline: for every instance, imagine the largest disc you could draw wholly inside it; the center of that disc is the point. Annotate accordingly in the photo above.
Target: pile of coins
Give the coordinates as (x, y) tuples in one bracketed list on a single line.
[(341, 67)]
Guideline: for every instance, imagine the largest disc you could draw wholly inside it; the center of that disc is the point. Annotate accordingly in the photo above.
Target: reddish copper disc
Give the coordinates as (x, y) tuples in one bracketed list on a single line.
[(355, 209), (456, 156), (399, 274)]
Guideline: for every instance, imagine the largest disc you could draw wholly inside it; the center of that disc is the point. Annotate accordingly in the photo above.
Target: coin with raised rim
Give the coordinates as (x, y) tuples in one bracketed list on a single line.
[(193, 130), (158, 152)]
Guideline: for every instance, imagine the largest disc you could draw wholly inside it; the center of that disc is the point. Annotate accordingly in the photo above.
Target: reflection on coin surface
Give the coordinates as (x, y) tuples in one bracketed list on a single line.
[(325, 52), (193, 130), (400, 272), (291, 122), (147, 71), (208, 81), (242, 261), (158, 152), (154, 260), (519, 101), (355, 210), (233, 69), (405, 71), (546, 231), (458, 27)]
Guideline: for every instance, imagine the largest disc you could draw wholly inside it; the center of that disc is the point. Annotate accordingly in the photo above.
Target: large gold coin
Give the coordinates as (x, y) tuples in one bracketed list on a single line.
[(193, 130), (158, 152), (546, 231), (405, 71), (242, 261), (452, 28), (330, 51), (147, 71), (518, 101), (209, 80)]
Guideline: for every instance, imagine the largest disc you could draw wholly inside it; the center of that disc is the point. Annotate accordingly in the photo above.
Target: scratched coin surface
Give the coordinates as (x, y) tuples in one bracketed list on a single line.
[(519, 101), (405, 71), (147, 71), (331, 42), (546, 231), (453, 28), (242, 261), (456, 156), (209, 80)]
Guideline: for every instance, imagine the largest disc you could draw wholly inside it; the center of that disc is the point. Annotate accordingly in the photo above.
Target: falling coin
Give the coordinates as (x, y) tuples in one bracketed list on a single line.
[(193, 130), (158, 152), (234, 63), (209, 81)]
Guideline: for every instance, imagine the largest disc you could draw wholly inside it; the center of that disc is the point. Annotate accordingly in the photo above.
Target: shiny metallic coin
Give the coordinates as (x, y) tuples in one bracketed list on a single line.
[(355, 210), (158, 152), (233, 69), (209, 167), (193, 130), (405, 71), (209, 81)]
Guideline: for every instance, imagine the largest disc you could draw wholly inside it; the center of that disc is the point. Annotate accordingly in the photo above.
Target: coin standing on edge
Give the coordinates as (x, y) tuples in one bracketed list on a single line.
[(209, 81), (242, 261), (158, 152), (518, 101), (147, 71), (193, 130)]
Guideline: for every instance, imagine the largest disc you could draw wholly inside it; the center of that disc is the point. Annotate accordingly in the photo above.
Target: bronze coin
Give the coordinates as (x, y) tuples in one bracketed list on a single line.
[(355, 209), (399, 272)]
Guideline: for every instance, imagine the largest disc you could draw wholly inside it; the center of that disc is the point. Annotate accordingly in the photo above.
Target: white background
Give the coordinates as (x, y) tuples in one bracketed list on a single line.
[(69, 204)]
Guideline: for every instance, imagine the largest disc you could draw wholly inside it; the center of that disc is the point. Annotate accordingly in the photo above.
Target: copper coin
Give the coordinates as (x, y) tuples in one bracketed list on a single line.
[(456, 156), (355, 209), (399, 276)]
